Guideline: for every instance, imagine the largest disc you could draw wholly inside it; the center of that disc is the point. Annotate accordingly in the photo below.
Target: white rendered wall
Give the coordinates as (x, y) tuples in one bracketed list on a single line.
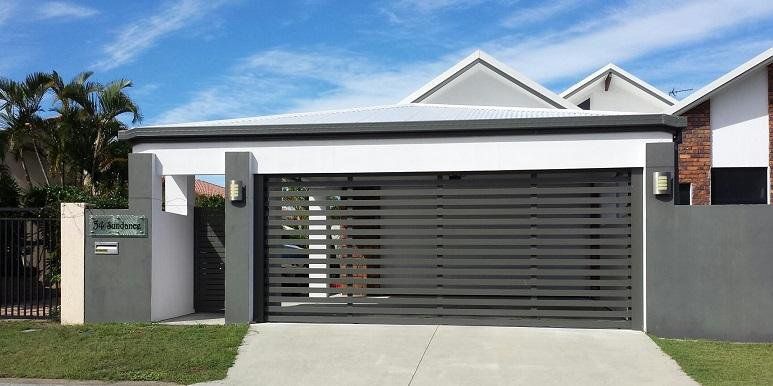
[(525, 152), (482, 86), (621, 96), (739, 123), (73, 244), (172, 244)]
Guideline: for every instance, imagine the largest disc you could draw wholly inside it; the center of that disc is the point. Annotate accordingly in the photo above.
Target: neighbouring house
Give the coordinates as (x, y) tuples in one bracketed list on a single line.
[(205, 188), (481, 198), (726, 151)]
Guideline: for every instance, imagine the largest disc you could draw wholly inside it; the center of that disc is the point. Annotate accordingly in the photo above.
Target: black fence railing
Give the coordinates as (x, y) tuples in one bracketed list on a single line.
[(29, 264)]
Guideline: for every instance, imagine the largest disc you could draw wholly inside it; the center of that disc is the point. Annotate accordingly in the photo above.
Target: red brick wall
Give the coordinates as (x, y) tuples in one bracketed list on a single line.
[(695, 153), (770, 127)]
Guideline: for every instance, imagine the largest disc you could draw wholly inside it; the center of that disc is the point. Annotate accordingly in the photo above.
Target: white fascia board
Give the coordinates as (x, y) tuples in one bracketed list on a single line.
[(710, 89), (623, 74), (531, 85)]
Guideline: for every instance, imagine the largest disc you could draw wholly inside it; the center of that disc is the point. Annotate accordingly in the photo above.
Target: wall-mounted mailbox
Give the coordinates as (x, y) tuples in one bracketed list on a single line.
[(662, 183), (106, 248), (235, 191)]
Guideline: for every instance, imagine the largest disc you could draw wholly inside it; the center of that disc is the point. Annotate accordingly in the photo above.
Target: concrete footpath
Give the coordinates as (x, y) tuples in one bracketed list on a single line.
[(319, 354)]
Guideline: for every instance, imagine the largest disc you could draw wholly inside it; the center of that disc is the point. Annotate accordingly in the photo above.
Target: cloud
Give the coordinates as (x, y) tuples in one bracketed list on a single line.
[(281, 80), (143, 34), (542, 12), (435, 5), (61, 9), (625, 34), (649, 33)]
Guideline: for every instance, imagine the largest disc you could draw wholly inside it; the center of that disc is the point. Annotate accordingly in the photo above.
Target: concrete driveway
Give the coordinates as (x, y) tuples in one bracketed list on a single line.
[(325, 354)]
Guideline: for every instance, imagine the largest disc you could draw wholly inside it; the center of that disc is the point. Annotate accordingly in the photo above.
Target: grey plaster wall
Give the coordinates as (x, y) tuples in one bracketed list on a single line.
[(239, 240), (118, 287), (709, 268)]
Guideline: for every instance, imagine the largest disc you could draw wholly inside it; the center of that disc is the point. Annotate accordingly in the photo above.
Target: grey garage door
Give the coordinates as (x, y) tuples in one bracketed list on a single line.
[(550, 248)]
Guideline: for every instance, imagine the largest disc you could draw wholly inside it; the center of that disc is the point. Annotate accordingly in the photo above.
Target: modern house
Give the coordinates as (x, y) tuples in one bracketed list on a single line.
[(481, 198)]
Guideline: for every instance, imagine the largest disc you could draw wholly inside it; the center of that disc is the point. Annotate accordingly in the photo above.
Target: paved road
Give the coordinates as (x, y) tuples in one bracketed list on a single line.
[(316, 354)]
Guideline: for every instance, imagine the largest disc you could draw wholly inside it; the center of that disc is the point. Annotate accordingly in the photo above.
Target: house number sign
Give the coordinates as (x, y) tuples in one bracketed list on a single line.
[(118, 225)]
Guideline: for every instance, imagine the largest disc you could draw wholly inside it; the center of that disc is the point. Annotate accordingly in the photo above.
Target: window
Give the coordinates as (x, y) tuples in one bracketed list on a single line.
[(585, 105), (739, 186), (684, 195)]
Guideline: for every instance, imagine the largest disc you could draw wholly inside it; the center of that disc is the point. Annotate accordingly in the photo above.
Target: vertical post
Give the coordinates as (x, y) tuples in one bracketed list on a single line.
[(658, 211), (259, 276), (239, 239), (637, 249), (73, 244)]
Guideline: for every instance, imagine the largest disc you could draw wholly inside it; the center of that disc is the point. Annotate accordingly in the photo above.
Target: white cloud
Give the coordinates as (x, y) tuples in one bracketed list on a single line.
[(280, 80), (626, 34), (6, 11), (143, 34), (542, 12), (61, 9)]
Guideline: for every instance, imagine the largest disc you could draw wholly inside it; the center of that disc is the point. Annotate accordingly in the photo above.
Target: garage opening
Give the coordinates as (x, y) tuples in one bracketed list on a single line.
[(536, 248)]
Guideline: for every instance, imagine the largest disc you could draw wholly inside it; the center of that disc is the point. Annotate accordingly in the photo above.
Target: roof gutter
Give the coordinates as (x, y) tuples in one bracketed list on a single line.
[(605, 123)]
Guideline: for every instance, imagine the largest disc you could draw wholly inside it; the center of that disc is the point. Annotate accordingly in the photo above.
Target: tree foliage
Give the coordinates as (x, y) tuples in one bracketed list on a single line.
[(74, 144)]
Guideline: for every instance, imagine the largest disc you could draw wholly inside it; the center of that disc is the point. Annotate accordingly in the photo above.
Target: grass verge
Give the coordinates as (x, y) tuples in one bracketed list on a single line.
[(113, 352), (722, 363)]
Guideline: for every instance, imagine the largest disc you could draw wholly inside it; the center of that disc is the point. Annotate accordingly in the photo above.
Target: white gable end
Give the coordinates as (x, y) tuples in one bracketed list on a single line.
[(481, 80), (482, 86), (614, 89)]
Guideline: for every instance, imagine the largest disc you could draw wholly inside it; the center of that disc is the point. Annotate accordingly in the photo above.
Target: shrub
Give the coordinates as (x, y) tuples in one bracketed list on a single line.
[(206, 201), (9, 190)]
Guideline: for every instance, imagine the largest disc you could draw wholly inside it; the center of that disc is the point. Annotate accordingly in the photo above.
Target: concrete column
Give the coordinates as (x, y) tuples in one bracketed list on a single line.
[(118, 287), (240, 232), (73, 242), (658, 217)]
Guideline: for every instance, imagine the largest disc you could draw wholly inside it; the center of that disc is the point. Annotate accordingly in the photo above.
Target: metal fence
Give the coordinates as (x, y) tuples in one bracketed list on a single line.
[(29, 264)]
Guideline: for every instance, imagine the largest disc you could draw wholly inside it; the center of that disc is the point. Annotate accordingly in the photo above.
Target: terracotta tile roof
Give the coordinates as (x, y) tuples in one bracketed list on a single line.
[(204, 188)]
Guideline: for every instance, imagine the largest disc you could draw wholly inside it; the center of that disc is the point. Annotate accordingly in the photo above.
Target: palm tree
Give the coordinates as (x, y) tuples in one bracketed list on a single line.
[(19, 115), (88, 124)]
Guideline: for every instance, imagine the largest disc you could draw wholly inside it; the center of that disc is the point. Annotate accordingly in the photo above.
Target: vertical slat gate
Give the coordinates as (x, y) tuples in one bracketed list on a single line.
[(29, 264), (544, 248), (209, 264)]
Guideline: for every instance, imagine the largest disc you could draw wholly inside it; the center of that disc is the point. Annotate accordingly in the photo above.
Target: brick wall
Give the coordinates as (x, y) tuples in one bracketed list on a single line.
[(695, 153), (770, 127)]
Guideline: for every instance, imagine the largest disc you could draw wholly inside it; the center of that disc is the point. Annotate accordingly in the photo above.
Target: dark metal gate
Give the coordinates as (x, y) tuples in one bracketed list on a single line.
[(548, 248), (29, 264), (209, 255)]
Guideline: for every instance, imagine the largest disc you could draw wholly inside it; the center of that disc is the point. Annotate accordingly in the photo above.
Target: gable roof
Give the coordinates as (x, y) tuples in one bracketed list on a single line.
[(622, 74), (712, 88), (482, 58)]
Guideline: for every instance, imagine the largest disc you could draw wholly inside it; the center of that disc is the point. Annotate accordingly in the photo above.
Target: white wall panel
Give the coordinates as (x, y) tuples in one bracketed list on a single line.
[(739, 123), (525, 152)]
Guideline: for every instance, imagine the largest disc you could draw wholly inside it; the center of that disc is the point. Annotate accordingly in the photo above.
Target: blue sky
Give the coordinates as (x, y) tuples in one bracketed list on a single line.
[(209, 59)]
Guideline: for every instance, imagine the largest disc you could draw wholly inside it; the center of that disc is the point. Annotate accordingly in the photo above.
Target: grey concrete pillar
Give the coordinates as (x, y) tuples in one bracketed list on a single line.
[(659, 226), (239, 239), (117, 288)]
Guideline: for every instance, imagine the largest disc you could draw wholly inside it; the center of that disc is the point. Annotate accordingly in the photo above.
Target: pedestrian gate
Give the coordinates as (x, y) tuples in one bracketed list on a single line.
[(550, 248)]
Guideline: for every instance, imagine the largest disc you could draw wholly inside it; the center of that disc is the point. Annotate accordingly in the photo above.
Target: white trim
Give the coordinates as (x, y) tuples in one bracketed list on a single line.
[(623, 74), (644, 250), (534, 87), (710, 89)]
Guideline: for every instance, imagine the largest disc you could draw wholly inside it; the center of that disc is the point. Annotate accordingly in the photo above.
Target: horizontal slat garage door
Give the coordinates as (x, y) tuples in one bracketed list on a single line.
[(508, 248)]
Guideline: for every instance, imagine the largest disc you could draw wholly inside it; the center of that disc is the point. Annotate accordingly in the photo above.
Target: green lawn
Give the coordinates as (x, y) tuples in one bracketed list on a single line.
[(137, 352), (722, 363)]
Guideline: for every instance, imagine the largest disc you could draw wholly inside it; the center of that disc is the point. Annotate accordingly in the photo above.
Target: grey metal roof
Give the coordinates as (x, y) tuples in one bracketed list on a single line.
[(400, 118), (409, 112)]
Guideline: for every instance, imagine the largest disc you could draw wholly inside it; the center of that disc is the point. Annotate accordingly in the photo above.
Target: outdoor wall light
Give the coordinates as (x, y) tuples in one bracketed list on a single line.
[(662, 183), (236, 191)]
